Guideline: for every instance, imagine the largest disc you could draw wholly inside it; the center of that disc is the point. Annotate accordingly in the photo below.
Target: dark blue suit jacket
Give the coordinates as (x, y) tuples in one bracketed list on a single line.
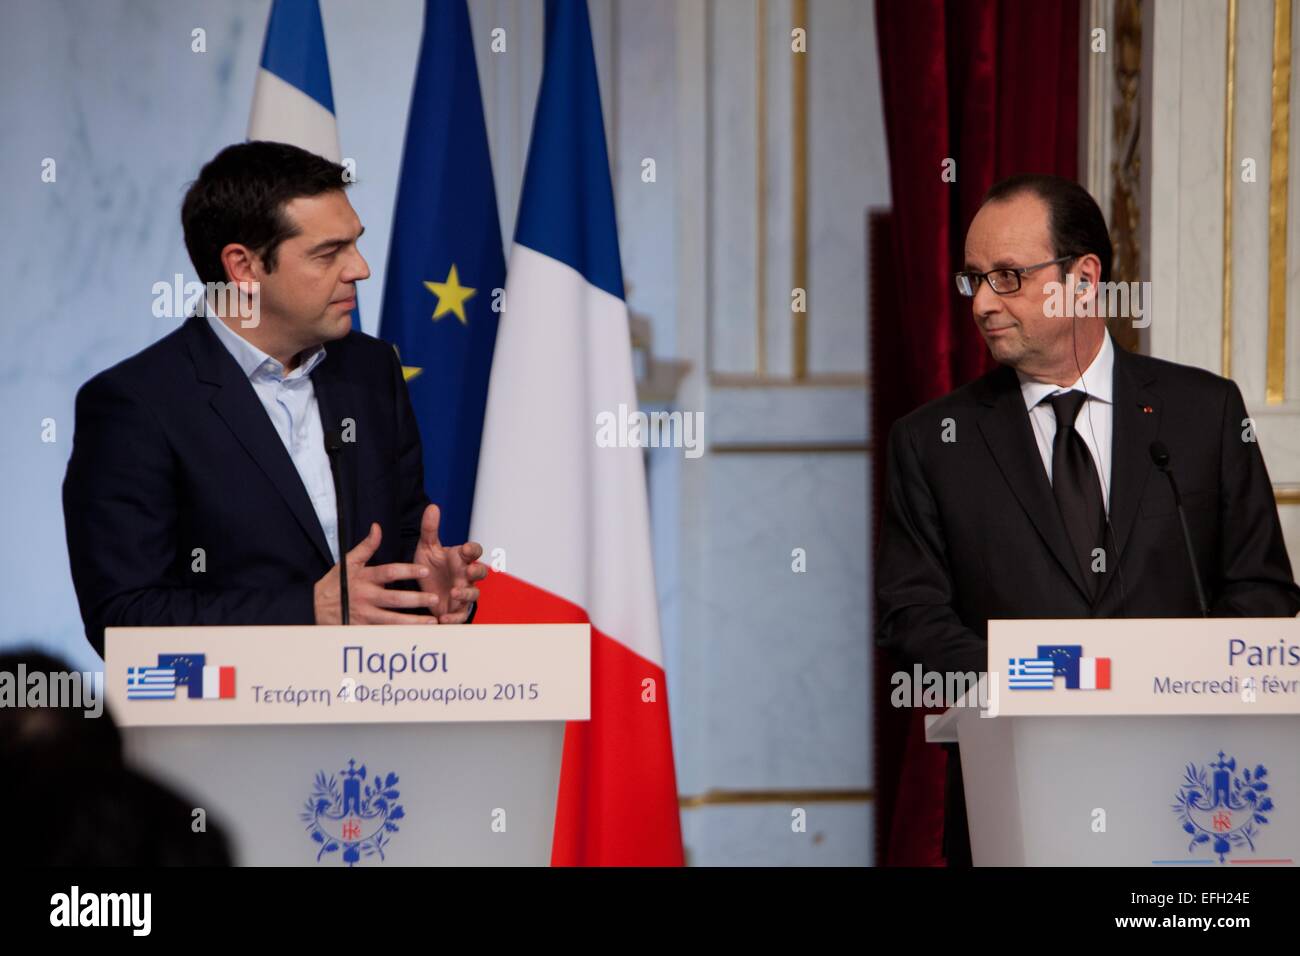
[(173, 452)]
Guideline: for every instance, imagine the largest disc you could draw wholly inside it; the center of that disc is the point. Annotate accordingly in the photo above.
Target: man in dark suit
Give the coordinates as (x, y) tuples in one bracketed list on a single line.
[(200, 491), (1031, 492)]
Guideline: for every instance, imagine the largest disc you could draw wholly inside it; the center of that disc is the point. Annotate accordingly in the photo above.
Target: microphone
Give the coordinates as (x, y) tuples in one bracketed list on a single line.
[(334, 448), (1160, 456)]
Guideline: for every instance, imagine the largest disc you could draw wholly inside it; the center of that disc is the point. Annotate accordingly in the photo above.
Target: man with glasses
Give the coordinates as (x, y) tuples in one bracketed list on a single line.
[(1031, 492)]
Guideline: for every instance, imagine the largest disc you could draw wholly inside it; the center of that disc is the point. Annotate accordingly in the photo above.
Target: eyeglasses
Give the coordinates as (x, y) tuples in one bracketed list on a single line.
[(1001, 281)]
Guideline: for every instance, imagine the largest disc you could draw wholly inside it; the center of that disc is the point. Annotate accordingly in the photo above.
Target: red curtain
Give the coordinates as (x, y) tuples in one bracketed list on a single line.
[(993, 86)]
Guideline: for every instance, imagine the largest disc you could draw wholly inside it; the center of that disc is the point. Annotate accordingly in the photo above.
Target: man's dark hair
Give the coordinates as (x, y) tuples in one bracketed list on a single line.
[(1075, 222), (105, 812), (240, 196)]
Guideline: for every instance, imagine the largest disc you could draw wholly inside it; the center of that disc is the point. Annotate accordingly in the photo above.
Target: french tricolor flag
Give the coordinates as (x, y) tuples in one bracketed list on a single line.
[(293, 101), (572, 517), (1094, 673), (218, 683)]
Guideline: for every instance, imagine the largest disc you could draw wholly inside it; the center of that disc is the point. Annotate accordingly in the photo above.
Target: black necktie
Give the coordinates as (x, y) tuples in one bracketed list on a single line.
[(1075, 484)]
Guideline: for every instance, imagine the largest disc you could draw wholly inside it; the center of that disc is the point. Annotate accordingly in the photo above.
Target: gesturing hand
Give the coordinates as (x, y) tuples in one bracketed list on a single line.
[(368, 598), (452, 570)]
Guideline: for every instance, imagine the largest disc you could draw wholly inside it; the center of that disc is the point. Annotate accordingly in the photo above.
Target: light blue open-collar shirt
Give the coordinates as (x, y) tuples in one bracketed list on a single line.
[(290, 403)]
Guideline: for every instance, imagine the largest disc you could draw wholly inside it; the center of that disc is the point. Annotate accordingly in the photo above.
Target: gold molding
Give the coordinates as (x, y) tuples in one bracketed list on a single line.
[(823, 380), (720, 797), (1229, 174), (760, 184), (791, 448), (1278, 175), (1287, 496), (799, 172)]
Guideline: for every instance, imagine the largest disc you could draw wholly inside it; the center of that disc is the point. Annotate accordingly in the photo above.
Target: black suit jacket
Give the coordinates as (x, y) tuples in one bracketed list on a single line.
[(173, 452), (972, 531)]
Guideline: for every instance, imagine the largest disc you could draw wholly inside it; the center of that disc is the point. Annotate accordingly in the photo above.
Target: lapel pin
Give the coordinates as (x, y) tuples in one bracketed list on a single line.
[(1147, 409)]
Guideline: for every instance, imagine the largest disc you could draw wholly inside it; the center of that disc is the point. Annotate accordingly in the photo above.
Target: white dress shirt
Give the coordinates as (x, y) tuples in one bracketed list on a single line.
[(290, 403), (1095, 418)]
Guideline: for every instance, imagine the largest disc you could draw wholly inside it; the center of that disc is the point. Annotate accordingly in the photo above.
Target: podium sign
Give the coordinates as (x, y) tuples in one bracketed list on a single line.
[(1147, 666), (1094, 762), (358, 746), (161, 676)]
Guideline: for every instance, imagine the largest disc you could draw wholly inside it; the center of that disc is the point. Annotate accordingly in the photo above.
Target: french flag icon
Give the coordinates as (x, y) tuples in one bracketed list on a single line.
[(1094, 673), (218, 683), (1080, 673)]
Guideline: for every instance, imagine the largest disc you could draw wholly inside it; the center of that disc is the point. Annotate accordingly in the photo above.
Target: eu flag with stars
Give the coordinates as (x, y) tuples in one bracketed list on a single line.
[(189, 670), (445, 263), (1065, 658)]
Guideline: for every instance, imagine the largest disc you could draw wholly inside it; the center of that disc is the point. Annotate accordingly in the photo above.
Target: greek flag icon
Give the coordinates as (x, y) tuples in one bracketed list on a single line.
[(1031, 673), (151, 683)]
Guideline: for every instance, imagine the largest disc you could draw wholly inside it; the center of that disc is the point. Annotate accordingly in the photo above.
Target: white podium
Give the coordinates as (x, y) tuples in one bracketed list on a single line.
[(1188, 756), (287, 738)]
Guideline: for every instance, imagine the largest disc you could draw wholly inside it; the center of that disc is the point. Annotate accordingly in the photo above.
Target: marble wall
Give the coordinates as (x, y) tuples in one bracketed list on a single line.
[(1185, 123)]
